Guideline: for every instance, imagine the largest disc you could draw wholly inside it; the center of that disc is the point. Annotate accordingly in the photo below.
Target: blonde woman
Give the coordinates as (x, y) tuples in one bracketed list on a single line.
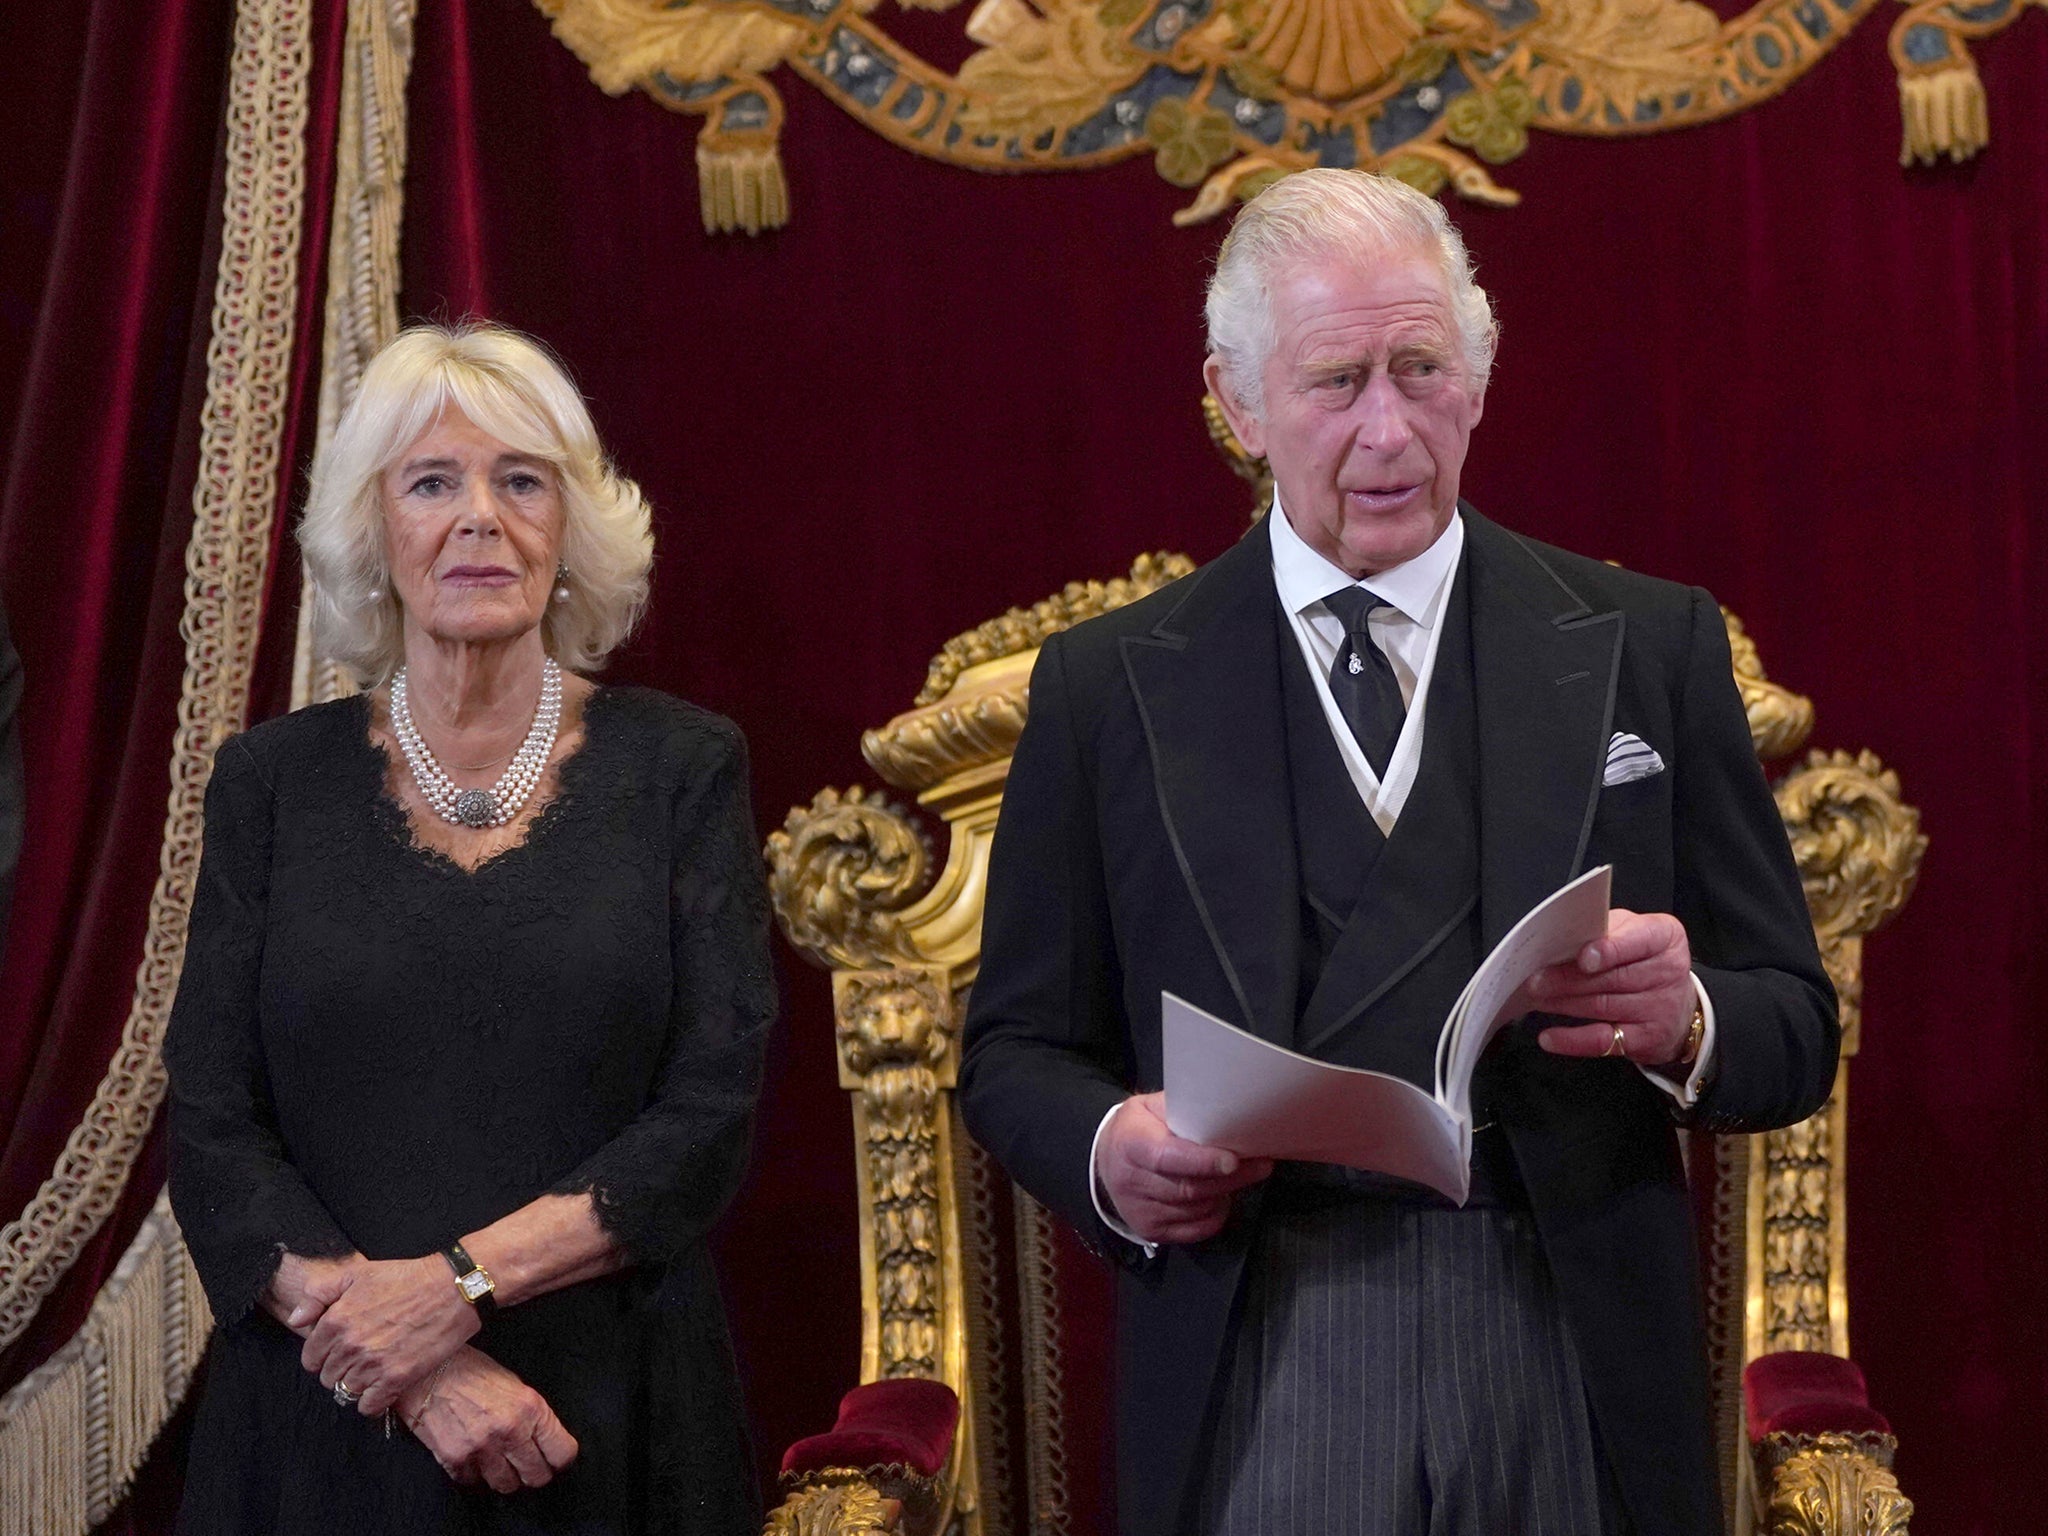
[(470, 1029)]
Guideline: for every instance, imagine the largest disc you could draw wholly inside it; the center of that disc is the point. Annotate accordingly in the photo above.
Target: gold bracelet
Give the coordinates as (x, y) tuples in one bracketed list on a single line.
[(433, 1384)]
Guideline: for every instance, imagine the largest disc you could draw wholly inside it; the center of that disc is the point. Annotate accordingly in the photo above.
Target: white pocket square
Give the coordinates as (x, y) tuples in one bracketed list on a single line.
[(1629, 758)]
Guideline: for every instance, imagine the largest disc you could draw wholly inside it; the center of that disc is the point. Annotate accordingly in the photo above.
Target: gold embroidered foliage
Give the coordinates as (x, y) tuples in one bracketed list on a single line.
[(1036, 73), (625, 42), (1639, 50), (1191, 140), (1492, 124)]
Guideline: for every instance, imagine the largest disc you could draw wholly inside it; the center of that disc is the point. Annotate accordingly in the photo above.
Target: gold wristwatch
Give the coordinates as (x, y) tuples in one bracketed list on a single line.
[(472, 1280)]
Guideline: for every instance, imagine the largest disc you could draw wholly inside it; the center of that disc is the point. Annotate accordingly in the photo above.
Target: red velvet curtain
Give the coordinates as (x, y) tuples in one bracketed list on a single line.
[(1756, 355), (108, 249)]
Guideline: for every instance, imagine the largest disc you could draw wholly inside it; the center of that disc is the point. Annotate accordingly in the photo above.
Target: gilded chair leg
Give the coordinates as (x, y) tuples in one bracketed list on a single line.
[(840, 1508), (1830, 1485)]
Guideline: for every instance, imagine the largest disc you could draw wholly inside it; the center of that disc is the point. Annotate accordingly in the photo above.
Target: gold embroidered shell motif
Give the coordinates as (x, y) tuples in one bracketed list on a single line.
[(1333, 49)]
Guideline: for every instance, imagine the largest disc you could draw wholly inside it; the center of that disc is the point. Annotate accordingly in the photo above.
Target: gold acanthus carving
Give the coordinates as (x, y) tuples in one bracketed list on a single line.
[(841, 873), (895, 1050), (1025, 629), (1858, 848), (1832, 1485), (1796, 1251), (848, 1507), (1779, 719), (898, 1046)]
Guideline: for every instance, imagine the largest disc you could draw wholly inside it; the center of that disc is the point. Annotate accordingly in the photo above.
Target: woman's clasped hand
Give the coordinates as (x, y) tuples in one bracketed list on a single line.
[(394, 1334), (387, 1325), (484, 1424)]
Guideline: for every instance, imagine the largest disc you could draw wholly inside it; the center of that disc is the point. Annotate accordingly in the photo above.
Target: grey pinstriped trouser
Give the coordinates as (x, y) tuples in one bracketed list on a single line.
[(1403, 1371)]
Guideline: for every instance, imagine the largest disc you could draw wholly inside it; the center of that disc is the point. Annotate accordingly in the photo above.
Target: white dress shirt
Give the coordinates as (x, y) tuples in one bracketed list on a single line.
[(1409, 630)]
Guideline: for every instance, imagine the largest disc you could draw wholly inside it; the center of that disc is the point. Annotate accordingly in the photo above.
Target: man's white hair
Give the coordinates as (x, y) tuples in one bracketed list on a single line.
[(511, 387), (1321, 213)]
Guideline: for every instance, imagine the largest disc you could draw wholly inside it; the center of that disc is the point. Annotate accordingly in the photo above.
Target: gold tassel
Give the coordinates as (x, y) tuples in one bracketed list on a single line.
[(1945, 114), (741, 186)]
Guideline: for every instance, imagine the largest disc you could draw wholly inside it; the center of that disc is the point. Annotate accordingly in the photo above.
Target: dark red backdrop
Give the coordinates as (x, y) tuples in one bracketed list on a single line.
[(1756, 355)]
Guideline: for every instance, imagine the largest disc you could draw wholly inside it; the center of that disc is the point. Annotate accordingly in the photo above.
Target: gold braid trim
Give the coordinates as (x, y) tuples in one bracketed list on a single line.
[(362, 250), (73, 1432), (1045, 1436), (232, 502), (988, 1373)]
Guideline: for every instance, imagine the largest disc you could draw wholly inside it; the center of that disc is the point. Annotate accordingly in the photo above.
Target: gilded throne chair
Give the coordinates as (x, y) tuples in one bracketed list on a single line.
[(979, 1413)]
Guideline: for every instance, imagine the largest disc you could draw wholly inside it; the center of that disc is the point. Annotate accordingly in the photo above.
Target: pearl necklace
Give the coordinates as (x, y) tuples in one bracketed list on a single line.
[(498, 805)]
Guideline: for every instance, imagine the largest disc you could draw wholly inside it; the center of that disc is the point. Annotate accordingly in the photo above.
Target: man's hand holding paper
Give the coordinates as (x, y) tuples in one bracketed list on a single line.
[(1637, 978), (1167, 1189)]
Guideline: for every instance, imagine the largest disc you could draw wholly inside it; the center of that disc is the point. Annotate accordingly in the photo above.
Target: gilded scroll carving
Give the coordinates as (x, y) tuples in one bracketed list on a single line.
[(962, 724), (840, 871), (1832, 1485), (1779, 719), (895, 1043), (1858, 846), (917, 750), (1857, 843)]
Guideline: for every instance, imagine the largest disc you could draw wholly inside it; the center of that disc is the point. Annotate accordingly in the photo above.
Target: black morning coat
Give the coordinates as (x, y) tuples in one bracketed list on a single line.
[(1147, 842)]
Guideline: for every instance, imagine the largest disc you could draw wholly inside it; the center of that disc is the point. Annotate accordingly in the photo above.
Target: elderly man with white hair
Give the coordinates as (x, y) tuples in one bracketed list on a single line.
[(1307, 788)]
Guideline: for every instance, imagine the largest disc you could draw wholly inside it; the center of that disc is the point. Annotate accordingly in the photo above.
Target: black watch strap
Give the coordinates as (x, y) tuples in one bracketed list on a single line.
[(472, 1280)]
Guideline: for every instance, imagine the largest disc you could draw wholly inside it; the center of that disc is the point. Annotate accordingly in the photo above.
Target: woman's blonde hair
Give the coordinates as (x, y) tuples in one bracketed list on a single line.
[(511, 387)]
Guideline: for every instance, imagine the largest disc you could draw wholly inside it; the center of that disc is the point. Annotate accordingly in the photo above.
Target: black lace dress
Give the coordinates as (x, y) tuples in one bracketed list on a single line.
[(375, 1050)]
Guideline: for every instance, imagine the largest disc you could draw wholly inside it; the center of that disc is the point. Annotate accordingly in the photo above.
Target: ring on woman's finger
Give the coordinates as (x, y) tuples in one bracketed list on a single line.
[(1618, 1046), (343, 1397)]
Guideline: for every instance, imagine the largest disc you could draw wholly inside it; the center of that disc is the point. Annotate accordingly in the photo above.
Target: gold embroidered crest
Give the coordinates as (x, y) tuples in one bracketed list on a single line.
[(1228, 95)]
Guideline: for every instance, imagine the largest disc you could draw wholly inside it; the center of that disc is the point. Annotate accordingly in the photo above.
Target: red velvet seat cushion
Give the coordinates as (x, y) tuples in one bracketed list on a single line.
[(884, 1423), (1804, 1392)]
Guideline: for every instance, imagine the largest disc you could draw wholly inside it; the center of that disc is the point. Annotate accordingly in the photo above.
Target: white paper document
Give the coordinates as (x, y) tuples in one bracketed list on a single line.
[(1228, 1088)]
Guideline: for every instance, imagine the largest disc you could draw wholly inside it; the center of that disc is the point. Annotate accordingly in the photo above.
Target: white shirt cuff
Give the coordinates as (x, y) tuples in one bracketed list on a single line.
[(1105, 1208), (1686, 1093)]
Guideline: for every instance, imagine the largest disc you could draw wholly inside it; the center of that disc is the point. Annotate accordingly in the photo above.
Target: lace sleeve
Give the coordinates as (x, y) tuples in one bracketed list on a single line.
[(662, 1181), (241, 1202)]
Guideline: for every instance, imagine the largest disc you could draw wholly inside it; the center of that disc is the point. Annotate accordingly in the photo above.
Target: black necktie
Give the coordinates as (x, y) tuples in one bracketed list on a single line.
[(1362, 680)]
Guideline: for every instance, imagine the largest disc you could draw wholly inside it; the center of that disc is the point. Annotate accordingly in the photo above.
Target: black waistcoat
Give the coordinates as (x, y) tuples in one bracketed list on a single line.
[(1390, 924)]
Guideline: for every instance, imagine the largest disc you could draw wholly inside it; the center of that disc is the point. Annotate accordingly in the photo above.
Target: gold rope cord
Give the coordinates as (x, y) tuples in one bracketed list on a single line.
[(1044, 1367), (362, 249), (1726, 1303), (247, 361), (988, 1373)]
